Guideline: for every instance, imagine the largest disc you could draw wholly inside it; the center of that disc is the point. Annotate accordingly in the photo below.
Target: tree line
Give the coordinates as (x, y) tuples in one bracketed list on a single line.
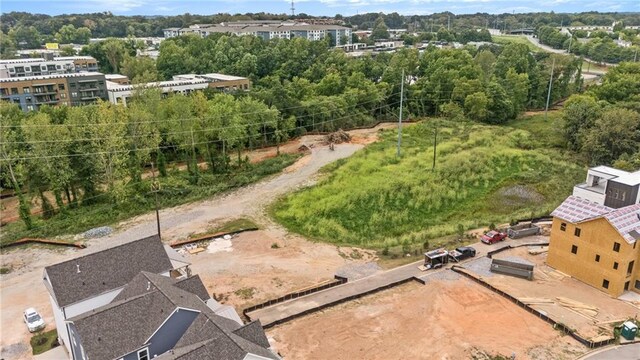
[(300, 86), (603, 124)]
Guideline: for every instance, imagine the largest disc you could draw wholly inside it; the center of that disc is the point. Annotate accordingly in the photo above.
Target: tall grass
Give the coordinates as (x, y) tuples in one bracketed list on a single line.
[(375, 199)]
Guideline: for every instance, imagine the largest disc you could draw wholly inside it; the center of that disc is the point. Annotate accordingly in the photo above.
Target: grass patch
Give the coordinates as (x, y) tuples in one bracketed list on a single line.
[(174, 190), (44, 341), (4, 270), (245, 293), (545, 132), (590, 67), (377, 200), (518, 39)]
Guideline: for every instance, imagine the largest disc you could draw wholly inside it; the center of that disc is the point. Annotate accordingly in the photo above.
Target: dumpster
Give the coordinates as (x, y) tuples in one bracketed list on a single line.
[(629, 330)]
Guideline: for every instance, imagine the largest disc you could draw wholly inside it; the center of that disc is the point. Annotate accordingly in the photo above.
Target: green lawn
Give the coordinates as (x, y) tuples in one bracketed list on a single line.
[(175, 189), (44, 341), (484, 174), (505, 39), (590, 67)]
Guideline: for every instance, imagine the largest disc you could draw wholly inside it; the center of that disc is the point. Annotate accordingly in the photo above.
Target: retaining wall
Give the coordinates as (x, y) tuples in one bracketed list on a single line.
[(557, 325)]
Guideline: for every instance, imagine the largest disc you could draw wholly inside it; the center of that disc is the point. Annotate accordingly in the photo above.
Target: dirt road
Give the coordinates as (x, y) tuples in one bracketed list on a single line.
[(23, 286)]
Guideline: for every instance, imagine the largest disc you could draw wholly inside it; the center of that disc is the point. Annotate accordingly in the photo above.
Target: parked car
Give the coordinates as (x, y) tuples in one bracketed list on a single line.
[(466, 252), (33, 320), (493, 237)]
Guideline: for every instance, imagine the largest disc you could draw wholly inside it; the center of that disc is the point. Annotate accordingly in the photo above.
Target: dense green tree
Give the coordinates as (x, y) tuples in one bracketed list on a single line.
[(615, 133), (380, 29)]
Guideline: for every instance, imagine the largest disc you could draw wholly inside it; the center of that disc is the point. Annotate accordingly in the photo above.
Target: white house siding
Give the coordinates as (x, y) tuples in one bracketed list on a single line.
[(588, 195), (58, 315), (250, 356), (90, 304)]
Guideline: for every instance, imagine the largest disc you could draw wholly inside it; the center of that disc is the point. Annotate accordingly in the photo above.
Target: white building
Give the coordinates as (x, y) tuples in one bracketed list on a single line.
[(40, 66), (610, 187)]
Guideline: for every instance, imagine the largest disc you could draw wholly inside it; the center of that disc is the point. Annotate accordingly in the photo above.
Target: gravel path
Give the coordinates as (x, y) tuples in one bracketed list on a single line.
[(481, 266)]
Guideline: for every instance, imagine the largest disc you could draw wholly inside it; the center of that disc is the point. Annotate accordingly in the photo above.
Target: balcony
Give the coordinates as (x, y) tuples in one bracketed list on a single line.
[(592, 193)]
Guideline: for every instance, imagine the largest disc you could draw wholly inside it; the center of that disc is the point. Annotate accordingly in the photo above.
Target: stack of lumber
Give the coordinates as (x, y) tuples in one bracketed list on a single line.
[(538, 250), (581, 308), (536, 301)]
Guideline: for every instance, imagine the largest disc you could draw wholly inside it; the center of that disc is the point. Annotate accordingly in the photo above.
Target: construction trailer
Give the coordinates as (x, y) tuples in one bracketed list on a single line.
[(512, 268), (436, 258)]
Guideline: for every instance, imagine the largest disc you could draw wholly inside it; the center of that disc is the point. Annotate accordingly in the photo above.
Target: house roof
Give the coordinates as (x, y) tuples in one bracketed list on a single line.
[(126, 324), (625, 220), (99, 272), (576, 209)]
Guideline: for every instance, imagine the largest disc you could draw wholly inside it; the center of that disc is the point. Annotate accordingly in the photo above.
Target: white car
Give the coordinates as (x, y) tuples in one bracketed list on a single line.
[(33, 319)]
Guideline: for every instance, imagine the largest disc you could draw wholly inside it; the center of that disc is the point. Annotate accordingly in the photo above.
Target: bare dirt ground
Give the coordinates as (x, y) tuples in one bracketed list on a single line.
[(549, 284), (441, 320), (252, 264)]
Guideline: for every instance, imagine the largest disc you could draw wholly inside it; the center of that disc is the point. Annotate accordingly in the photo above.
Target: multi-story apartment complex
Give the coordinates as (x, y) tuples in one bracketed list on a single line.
[(181, 84), (595, 232), (31, 92), (268, 30), (37, 67)]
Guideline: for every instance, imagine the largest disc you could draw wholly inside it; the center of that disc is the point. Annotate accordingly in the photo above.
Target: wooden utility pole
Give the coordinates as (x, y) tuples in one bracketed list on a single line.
[(435, 144), (400, 117), (546, 108), (155, 188)]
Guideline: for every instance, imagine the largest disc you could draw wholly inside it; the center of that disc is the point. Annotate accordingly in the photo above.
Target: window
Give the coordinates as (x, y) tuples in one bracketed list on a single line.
[(574, 249), (14, 91), (616, 247), (576, 232), (563, 226), (605, 283), (61, 86), (26, 90), (74, 94), (615, 265), (630, 268), (63, 95), (597, 258), (143, 354)]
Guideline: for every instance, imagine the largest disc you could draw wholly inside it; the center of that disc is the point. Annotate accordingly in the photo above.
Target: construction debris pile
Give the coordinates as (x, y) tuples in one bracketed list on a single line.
[(337, 137), (578, 307)]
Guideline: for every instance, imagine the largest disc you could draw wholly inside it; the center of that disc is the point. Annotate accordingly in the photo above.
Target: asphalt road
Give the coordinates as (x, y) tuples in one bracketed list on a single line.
[(621, 352)]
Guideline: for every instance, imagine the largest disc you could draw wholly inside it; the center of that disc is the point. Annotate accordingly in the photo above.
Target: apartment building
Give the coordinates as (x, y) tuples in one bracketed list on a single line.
[(268, 30), (71, 89), (180, 84), (595, 232), (36, 67)]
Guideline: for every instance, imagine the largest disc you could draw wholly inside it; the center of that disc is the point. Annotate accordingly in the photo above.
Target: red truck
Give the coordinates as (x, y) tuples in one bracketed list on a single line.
[(493, 237)]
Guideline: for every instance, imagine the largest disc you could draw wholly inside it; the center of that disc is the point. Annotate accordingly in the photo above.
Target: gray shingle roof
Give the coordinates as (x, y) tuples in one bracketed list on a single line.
[(94, 274), (144, 304), (253, 332), (194, 285)]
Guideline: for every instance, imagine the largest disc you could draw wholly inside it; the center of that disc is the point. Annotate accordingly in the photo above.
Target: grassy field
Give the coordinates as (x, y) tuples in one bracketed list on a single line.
[(175, 189), (484, 174), (505, 39), (593, 67)]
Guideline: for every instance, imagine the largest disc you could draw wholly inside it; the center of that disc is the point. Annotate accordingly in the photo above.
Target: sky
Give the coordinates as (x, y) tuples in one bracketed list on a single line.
[(314, 7)]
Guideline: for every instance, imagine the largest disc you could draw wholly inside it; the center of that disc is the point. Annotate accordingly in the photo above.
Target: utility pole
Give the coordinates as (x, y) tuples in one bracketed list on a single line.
[(400, 117), (546, 108), (293, 9), (435, 144), (570, 41), (155, 188), (448, 22), (635, 56)]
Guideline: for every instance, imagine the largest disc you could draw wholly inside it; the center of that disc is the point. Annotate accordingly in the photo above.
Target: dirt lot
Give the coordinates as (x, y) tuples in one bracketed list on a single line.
[(253, 267), (550, 284), (455, 319)]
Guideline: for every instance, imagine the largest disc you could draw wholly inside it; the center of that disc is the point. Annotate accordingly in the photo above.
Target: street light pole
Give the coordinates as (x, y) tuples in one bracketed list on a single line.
[(546, 108), (400, 117)]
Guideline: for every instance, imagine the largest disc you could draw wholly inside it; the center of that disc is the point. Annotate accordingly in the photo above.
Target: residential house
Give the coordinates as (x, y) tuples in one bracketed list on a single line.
[(80, 285), (610, 187), (597, 244), (155, 316)]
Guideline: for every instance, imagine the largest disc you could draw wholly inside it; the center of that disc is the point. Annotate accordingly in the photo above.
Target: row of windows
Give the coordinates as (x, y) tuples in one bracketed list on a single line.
[(574, 250), (577, 232)]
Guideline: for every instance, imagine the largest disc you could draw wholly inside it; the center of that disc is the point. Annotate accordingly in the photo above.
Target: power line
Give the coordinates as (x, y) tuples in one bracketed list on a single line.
[(170, 121), (196, 118), (170, 146)]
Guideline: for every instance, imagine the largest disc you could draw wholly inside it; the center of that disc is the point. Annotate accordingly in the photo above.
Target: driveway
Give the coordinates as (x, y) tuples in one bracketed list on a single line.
[(620, 352)]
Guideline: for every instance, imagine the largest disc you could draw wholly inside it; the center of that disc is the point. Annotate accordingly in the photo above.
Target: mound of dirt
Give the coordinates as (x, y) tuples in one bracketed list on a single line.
[(337, 137)]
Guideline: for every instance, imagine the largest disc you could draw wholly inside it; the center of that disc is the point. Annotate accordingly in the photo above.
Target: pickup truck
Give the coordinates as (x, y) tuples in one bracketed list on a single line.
[(463, 252), (493, 237)]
